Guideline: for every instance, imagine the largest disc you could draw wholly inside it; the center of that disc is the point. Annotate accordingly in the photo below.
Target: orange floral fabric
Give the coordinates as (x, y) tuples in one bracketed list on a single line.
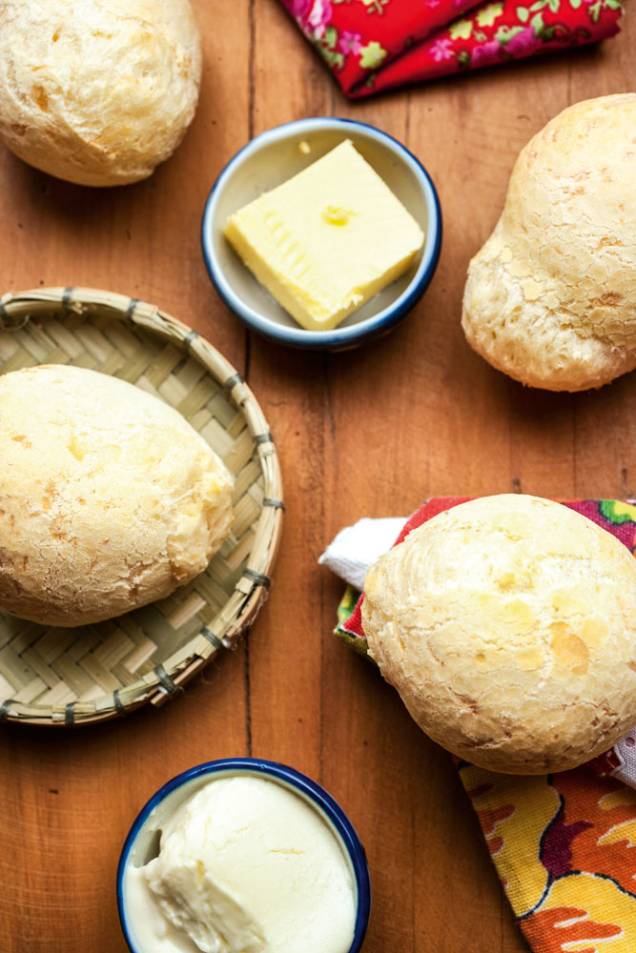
[(563, 846)]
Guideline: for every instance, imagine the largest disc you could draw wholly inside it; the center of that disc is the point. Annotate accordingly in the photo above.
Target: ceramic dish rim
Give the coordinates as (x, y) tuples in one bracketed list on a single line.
[(321, 800), (338, 337)]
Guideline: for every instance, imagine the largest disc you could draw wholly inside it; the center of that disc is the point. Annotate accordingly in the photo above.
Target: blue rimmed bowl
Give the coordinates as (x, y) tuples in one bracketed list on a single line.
[(271, 159), (142, 843)]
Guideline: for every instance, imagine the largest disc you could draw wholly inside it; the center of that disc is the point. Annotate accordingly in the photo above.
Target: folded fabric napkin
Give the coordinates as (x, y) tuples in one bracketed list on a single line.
[(563, 844), (375, 45)]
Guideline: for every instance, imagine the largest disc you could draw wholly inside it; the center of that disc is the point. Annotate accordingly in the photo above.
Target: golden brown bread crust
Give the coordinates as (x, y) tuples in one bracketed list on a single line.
[(98, 92), (551, 297), (109, 499), (508, 626)]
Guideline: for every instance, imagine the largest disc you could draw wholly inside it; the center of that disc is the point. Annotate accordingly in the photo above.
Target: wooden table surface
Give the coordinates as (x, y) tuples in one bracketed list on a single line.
[(368, 433)]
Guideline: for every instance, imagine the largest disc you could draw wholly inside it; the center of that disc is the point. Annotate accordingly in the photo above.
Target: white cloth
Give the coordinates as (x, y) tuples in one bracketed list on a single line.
[(625, 751), (357, 547)]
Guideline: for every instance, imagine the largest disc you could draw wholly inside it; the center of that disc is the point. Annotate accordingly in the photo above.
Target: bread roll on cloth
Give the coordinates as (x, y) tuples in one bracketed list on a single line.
[(508, 626), (551, 297), (109, 499), (98, 92)]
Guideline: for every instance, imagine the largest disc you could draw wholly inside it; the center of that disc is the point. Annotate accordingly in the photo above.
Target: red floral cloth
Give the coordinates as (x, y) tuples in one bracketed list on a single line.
[(374, 45)]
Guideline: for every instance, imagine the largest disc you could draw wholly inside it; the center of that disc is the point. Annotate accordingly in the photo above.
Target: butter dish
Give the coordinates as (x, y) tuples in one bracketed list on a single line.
[(273, 159)]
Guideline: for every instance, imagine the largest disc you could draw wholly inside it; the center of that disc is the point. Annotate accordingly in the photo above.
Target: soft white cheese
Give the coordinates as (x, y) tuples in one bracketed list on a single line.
[(327, 240), (245, 866)]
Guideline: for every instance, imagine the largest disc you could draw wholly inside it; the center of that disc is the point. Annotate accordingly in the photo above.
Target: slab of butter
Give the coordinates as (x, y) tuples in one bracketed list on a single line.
[(327, 240)]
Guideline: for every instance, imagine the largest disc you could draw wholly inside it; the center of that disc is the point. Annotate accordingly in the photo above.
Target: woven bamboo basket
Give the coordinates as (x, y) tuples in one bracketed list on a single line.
[(66, 677)]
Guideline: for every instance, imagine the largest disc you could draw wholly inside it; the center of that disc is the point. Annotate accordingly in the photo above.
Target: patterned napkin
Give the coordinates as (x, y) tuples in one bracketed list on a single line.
[(375, 45), (563, 844)]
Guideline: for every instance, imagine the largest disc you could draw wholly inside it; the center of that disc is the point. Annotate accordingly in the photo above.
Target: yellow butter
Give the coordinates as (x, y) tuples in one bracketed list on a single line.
[(328, 240)]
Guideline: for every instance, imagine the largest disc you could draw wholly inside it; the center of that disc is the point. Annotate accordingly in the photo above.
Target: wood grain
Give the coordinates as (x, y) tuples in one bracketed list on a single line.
[(367, 433)]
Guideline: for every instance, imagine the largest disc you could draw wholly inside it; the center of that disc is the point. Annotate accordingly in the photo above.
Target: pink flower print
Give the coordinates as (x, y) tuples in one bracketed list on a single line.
[(312, 15), (299, 9), (522, 43), (350, 42), (431, 3), (486, 53), (442, 50), (319, 17)]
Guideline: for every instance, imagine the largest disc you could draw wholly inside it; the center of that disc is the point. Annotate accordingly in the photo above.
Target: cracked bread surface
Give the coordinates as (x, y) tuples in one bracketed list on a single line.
[(97, 92), (109, 499), (550, 299), (508, 626)]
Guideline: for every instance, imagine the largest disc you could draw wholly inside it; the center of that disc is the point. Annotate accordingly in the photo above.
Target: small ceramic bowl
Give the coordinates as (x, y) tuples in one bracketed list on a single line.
[(142, 843), (271, 159)]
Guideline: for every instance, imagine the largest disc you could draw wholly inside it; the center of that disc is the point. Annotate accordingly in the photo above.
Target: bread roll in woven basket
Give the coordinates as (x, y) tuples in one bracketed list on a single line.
[(54, 676)]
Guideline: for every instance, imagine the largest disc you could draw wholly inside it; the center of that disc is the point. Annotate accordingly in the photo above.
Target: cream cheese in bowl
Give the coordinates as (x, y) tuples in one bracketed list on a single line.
[(242, 860)]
